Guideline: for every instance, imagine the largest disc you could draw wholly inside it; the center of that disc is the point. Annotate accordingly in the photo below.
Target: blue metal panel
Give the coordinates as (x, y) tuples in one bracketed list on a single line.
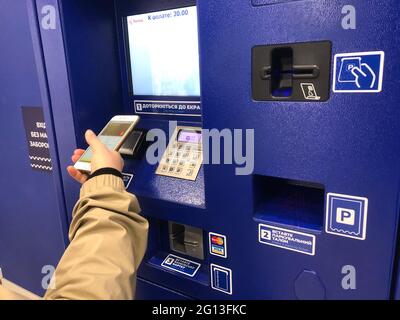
[(349, 144), (32, 217), (58, 100), (151, 291)]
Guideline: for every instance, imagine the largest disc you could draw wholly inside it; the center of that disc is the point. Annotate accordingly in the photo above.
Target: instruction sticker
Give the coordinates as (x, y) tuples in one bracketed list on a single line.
[(287, 239), (184, 108), (36, 137), (181, 265), (358, 72)]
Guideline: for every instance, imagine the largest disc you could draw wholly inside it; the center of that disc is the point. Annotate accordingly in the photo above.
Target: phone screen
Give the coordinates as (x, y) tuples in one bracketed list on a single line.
[(111, 136)]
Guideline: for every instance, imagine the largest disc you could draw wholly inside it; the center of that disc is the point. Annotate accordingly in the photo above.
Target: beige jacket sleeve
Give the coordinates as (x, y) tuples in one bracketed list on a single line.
[(108, 241)]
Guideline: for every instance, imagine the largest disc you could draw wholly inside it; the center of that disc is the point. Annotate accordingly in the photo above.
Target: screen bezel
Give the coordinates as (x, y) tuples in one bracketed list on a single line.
[(128, 62)]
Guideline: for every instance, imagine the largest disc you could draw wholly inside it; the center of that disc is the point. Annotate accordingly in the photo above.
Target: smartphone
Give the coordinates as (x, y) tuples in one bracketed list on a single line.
[(113, 136)]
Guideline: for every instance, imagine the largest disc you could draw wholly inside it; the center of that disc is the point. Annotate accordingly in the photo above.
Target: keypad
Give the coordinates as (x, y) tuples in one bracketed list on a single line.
[(181, 159)]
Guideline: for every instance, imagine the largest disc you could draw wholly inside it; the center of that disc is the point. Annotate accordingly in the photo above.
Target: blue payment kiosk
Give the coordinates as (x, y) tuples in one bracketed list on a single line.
[(280, 173)]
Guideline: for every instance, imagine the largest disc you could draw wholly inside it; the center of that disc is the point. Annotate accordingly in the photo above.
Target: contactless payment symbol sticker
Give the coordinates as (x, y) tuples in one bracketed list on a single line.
[(359, 72), (346, 216), (217, 244)]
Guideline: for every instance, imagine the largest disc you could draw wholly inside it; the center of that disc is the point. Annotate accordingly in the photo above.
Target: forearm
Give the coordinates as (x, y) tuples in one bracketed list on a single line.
[(108, 241)]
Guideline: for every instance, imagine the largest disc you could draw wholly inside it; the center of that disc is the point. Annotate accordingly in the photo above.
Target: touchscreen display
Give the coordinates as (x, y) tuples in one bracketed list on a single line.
[(164, 54)]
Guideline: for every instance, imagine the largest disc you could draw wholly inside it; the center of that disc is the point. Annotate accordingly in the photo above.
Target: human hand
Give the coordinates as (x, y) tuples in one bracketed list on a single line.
[(73, 172), (102, 158)]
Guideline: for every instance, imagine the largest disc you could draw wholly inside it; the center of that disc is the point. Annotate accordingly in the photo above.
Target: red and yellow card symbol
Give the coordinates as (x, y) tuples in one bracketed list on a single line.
[(217, 240)]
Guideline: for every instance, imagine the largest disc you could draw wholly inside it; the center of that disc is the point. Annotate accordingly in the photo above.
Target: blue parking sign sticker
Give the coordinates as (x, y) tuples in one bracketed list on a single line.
[(181, 265), (287, 239), (221, 278), (346, 216), (358, 72)]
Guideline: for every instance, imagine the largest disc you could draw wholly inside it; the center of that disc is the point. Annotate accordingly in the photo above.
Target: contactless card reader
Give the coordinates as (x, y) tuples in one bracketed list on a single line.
[(133, 143)]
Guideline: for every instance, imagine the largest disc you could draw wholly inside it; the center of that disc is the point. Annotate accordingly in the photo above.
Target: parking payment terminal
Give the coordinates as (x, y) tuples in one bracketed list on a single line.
[(266, 158)]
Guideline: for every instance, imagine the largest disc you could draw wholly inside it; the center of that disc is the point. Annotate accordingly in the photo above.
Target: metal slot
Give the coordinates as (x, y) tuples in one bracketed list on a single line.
[(186, 240), (305, 72)]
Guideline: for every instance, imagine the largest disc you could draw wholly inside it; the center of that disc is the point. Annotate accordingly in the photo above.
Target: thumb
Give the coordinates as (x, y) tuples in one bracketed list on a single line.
[(93, 141)]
